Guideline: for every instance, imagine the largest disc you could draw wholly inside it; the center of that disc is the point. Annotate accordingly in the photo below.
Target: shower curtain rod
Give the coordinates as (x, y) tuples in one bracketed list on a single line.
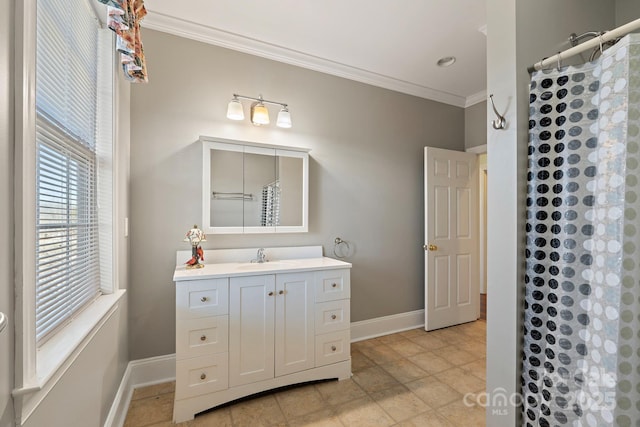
[(590, 44)]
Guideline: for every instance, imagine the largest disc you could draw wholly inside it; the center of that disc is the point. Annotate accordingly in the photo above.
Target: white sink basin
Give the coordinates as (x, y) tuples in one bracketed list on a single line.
[(269, 265)]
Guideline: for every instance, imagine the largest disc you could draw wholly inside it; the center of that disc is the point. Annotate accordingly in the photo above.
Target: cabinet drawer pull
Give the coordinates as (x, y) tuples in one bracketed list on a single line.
[(270, 294), (203, 376), (333, 348), (203, 338), (280, 292), (334, 285), (204, 299), (333, 317)]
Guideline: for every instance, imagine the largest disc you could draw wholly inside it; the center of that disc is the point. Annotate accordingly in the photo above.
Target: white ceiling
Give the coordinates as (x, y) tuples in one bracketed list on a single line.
[(393, 44)]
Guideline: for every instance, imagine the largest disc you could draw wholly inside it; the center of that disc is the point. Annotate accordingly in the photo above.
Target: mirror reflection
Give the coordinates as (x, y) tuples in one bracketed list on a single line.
[(290, 170), (227, 197), (261, 204), (254, 188)]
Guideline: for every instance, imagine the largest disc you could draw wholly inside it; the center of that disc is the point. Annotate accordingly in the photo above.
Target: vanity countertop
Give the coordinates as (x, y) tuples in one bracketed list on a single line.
[(234, 269)]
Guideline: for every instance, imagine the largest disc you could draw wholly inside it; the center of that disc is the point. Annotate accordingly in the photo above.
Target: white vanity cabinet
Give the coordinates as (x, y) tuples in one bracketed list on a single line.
[(249, 332), (201, 337), (271, 326), (332, 316)]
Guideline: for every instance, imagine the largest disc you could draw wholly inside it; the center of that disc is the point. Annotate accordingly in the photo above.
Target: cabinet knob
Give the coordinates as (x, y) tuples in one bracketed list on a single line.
[(334, 285), (204, 299), (203, 376), (333, 348), (333, 317), (280, 292), (270, 294), (203, 338)]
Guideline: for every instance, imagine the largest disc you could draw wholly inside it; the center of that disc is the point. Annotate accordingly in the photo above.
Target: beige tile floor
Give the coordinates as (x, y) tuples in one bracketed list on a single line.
[(412, 378)]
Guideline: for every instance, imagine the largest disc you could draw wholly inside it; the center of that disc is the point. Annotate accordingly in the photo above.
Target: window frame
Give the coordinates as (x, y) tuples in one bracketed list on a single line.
[(37, 370)]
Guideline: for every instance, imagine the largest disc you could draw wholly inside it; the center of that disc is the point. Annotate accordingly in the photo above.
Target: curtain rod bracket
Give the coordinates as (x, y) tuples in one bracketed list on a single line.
[(598, 40)]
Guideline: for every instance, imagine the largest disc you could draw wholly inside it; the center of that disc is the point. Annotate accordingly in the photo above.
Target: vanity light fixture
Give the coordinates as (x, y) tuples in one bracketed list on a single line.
[(259, 112)]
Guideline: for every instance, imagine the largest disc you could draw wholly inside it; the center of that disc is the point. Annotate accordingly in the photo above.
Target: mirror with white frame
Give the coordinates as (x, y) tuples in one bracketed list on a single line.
[(254, 188)]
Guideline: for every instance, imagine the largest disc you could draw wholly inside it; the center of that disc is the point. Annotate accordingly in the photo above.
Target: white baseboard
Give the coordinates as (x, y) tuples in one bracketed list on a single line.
[(160, 369), (386, 325), (139, 373)]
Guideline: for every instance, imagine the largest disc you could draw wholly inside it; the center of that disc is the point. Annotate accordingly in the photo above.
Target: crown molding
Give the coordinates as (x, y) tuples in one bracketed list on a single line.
[(202, 33), (476, 98)]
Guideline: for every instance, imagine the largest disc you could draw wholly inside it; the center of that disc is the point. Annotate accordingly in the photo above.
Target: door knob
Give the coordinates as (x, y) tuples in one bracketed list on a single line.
[(430, 247)]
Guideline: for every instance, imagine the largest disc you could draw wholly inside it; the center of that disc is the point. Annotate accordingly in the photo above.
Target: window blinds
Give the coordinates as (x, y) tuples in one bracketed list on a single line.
[(71, 83)]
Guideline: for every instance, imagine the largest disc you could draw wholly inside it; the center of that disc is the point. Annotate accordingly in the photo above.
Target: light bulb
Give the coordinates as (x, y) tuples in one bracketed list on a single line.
[(234, 110), (284, 118), (259, 114)]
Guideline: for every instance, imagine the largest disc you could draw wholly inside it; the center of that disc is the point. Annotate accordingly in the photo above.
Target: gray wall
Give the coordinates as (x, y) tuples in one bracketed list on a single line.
[(475, 125), (626, 11), (520, 32), (6, 208), (84, 394), (365, 173)]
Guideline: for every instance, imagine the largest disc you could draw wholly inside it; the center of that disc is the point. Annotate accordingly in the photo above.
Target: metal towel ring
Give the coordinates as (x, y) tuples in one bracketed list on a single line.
[(336, 244)]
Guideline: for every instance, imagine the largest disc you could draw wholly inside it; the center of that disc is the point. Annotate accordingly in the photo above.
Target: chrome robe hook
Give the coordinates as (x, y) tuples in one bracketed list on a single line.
[(500, 122)]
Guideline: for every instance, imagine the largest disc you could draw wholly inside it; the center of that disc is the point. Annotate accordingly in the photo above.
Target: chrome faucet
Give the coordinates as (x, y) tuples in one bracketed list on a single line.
[(261, 256)]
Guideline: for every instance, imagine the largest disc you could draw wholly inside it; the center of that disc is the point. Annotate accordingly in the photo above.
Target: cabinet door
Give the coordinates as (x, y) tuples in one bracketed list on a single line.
[(294, 333), (251, 323)]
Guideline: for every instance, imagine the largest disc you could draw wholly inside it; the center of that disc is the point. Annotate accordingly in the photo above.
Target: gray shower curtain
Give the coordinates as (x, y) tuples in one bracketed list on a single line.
[(581, 361)]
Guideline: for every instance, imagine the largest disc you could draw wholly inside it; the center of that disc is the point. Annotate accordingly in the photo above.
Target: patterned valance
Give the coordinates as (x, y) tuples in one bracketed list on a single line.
[(124, 18)]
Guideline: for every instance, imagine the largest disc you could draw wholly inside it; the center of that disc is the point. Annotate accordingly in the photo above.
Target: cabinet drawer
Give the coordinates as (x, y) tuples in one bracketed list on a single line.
[(201, 375), (197, 337), (332, 347), (202, 298), (332, 285), (332, 316)]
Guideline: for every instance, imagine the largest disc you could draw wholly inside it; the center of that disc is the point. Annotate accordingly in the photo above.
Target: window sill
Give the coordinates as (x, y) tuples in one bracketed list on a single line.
[(55, 356)]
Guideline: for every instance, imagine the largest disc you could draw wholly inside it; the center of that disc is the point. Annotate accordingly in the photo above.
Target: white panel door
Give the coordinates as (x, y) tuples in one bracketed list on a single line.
[(251, 323), (294, 333), (451, 238)]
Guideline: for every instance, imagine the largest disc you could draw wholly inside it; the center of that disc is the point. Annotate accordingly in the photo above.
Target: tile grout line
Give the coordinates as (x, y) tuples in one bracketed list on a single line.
[(436, 410), (462, 337)]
